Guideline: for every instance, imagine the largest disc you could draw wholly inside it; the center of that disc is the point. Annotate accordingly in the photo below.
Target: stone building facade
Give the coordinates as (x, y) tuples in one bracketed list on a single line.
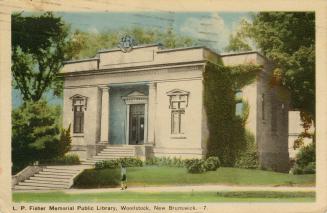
[(151, 99)]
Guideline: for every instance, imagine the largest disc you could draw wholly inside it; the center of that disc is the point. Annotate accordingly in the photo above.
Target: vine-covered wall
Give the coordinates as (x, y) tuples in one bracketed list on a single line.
[(227, 138)]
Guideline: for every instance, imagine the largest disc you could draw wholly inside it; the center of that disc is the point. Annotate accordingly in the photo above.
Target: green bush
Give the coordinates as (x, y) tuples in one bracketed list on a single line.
[(248, 159), (92, 178), (195, 165), (212, 164), (125, 162), (130, 162), (305, 161), (165, 161), (35, 133), (69, 159)]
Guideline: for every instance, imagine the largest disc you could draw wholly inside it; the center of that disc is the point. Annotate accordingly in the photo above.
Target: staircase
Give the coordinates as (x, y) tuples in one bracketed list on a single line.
[(111, 152), (52, 177), (62, 177)]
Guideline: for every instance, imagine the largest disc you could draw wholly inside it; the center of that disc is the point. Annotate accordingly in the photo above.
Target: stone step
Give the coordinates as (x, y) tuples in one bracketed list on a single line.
[(66, 168), (52, 176), (59, 171), (56, 174), (62, 186), (46, 179), (66, 183), (118, 153), (18, 187), (111, 156)]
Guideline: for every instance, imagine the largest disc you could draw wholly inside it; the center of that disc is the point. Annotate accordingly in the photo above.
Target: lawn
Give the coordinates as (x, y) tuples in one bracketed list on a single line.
[(158, 176), (125, 196)]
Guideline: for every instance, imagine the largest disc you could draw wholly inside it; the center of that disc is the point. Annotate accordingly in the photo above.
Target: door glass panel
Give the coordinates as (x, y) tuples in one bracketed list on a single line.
[(141, 130)]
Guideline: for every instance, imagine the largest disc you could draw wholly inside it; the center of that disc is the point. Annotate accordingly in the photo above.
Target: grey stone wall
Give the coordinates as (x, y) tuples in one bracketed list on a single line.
[(272, 123)]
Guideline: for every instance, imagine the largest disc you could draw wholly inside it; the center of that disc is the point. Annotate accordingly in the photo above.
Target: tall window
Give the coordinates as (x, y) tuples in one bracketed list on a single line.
[(79, 106), (178, 104), (239, 103)]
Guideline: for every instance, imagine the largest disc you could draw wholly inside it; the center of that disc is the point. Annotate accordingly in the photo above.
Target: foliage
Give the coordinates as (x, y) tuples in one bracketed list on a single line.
[(237, 44), (64, 143), (93, 178), (40, 44), (35, 134), (288, 39), (195, 165), (305, 162), (116, 163), (212, 164), (249, 158), (165, 161), (69, 159), (226, 130), (90, 42)]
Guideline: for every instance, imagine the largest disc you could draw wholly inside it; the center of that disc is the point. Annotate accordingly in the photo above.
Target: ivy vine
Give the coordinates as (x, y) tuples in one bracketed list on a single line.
[(227, 138)]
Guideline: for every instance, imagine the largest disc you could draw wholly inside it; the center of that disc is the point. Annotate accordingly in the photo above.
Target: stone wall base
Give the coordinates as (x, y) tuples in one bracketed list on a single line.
[(278, 162), (183, 153)]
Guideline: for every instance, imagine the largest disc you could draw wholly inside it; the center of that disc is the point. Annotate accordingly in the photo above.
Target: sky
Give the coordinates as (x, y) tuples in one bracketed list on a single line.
[(211, 29)]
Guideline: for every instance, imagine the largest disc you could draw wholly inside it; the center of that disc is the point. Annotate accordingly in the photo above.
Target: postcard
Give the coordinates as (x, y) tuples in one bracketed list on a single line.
[(156, 106)]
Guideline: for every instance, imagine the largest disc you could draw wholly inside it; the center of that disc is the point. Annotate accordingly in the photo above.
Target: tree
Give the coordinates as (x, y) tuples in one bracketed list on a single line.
[(35, 132), (91, 42), (40, 45), (288, 39)]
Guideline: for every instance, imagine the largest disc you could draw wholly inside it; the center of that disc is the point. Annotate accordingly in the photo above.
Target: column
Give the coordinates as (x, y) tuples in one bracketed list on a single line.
[(104, 134), (151, 113)]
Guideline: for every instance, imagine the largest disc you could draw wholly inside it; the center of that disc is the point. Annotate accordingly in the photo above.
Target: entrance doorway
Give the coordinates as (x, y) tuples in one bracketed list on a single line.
[(136, 124)]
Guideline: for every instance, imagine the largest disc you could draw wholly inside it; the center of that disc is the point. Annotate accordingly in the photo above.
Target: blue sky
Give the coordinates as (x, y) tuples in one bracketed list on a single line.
[(209, 28)]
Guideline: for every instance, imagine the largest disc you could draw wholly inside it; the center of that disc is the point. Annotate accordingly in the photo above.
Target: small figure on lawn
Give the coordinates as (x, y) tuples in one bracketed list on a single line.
[(123, 182)]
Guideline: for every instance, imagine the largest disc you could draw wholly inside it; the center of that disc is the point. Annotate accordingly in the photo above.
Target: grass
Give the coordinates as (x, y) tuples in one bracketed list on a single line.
[(158, 176), (125, 196)]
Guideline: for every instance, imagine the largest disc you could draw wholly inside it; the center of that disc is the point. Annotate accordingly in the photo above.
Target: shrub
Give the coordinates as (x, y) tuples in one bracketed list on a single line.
[(69, 159), (92, 178), (305, 161), (130, 162), (195, 165), (165, 161), (112, 164), (248, 159), (212, 164), (35, 133), (65, 141)]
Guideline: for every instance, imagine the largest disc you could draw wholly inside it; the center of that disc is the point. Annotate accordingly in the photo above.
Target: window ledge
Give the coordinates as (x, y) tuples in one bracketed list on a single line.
[(78, 134), (178, 137)]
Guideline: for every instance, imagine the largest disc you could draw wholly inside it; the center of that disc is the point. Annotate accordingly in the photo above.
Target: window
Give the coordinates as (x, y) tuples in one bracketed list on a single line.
[(239, 103), (178, 102), (78, 106)]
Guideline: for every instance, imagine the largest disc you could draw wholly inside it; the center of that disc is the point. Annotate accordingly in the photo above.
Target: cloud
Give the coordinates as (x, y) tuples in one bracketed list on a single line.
[(209, 30)]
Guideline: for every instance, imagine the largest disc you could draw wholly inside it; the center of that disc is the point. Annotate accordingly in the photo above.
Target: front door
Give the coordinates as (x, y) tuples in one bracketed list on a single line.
[(136, 124)]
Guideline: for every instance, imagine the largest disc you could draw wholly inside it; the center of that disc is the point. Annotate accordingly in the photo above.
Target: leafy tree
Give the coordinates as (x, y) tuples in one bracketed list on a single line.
[(91, 42), (288, 38), (34, 133), (237, 44), (40, 44)]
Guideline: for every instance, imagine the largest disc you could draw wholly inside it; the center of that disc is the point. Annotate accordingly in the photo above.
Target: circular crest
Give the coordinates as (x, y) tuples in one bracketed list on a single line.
[(126, 43)]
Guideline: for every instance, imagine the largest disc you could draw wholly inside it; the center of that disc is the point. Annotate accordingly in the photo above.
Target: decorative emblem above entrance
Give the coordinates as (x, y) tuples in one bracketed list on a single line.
[(126, 43)]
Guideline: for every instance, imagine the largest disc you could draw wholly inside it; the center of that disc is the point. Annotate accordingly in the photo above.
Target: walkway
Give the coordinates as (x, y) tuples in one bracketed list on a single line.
[(187, 189)]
